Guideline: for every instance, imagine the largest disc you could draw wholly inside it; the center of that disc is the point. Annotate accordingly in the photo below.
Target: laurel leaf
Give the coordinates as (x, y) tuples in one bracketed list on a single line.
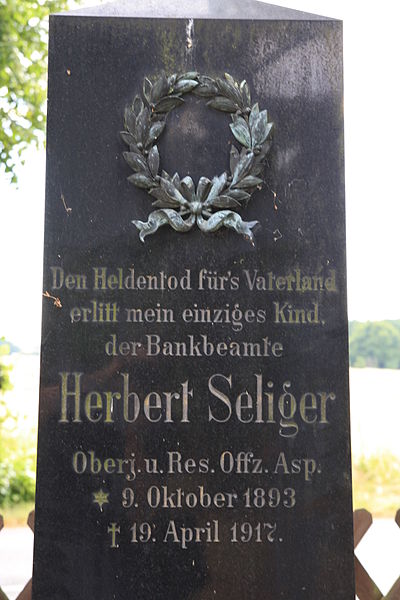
[(154, 160), (184, 86), (167, 203), (225, 202), (168, 103), (163, 200), (130, 120), (241, 131), (159, 89), (217, 186), (243, 167), (135, 161), (172, 80), (234, 158), (141, 181), (260, 129), (156, 130), (248, 182), (142, 125), (222, 103), (255, 111), (189, 75), (205, 91), (172, 192), (245, 90), (188, 189), (230, 79), (176, 180), (203, 188), (207, 80), (239, 195), (229, 90), (137, 105), (127, 138), (207, 87), (147, 86)]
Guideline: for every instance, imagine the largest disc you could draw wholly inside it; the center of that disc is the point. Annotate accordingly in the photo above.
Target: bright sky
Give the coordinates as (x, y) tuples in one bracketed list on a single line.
[(372, 127)]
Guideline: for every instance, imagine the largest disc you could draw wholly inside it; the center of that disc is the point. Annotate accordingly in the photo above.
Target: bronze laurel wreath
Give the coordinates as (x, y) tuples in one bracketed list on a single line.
[(145, 121)]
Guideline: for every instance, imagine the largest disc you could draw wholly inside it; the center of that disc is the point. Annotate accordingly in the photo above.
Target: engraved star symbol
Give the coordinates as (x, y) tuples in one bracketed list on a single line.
[(100, 498)]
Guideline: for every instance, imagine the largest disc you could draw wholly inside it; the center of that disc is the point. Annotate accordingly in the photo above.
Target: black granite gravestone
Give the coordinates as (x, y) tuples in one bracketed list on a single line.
[(194, 416)]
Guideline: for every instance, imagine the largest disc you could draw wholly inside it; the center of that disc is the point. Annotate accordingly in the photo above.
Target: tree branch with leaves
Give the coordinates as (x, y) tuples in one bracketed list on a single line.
[(23, 67)]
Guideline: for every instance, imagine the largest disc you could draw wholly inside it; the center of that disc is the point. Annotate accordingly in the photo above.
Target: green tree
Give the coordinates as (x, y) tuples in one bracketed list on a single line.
[(23, 64), (375, 344), (5, 383)]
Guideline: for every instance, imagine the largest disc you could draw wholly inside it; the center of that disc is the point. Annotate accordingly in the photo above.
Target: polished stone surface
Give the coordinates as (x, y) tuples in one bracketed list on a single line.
[(91, 540)]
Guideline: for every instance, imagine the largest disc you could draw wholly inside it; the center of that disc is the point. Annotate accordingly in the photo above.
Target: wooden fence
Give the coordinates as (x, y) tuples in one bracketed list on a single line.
[(366, 588)]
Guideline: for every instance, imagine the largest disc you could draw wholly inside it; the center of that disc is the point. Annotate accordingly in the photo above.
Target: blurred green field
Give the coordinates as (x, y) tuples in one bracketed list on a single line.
[(16, 515), (18, 433)]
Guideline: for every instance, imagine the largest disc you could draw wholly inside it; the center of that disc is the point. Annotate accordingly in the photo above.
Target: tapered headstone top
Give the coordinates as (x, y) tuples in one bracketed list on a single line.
[(201, 9)]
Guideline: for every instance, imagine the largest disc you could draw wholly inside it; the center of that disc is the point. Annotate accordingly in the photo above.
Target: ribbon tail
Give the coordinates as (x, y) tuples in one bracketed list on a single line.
[(230, 219), (164, 216)]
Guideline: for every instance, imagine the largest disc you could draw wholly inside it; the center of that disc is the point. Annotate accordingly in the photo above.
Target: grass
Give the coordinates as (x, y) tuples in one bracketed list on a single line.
[(376, 484)]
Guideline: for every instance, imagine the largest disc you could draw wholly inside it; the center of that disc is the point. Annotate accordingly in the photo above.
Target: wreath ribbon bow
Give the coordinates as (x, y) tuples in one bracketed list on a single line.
[(214, 203)]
